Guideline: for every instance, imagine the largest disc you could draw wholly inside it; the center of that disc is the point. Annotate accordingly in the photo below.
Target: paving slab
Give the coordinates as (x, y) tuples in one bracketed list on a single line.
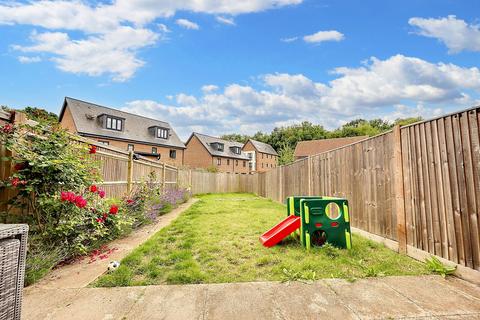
[(419, 298), (460, 285), (251, 300), (436, 297), (296, 300), (44, 303), (170, 302), (96, 303), (373, 299)]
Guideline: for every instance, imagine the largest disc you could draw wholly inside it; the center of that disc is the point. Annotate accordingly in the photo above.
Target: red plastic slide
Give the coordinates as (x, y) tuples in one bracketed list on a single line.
[(280, 231)]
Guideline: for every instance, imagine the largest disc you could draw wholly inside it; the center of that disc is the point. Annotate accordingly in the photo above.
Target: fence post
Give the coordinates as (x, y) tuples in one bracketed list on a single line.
[(399, 191), (309, 163), (163, 177), (130, 171)]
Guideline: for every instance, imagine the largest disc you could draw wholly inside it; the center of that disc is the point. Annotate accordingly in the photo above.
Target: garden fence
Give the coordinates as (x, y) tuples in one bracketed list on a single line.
[(417, 186)]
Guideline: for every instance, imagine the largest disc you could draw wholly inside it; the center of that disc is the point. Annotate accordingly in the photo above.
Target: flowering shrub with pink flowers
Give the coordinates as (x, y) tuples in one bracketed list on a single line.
[(55, 193)]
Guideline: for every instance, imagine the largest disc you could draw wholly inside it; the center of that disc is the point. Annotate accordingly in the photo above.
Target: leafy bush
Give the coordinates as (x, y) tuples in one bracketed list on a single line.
[(54, 178)]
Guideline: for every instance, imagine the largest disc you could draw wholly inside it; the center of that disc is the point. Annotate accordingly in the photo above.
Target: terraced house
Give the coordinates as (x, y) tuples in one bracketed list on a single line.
[(262, 156), (144, 136), (206, 151)]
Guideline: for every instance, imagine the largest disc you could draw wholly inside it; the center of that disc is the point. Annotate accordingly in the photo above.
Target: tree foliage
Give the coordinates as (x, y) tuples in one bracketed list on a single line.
[(284, 139)]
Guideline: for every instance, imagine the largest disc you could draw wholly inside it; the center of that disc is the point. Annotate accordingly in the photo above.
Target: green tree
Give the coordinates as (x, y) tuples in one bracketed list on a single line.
[(40, 115), (235, 137), (286, 154), (407, 121)]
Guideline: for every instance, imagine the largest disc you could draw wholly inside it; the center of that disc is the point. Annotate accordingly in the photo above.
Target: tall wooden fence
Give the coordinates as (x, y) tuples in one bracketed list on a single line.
[(208, 182), (418, 185)]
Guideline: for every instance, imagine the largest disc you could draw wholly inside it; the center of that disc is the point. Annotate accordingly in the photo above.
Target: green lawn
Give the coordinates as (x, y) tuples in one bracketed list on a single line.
[(216, 240)]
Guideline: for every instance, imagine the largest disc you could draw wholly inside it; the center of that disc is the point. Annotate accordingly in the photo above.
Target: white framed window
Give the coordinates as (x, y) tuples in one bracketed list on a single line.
[(114, 123), (104, 142), (130, 147), (219, 161), (173, 154), (154, 150), (162, 133)]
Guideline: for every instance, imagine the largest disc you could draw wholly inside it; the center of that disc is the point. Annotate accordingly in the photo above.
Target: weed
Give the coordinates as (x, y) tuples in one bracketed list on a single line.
[(436, 266)]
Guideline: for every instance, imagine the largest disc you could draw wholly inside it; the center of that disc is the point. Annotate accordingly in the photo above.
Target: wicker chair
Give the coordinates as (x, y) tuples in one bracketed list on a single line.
[(13, 249)]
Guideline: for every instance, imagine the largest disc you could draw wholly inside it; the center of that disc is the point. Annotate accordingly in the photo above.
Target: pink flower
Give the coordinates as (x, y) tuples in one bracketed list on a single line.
[(8, 128), (99, 220), (15, 181), (113, 210), (93, 149), (101, 193), (64, 196), (93, 188), (105, 216), (80, 202), (130, 201), (71, 197)]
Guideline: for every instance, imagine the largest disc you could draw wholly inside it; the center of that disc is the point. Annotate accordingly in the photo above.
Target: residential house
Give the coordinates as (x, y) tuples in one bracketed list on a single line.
[(144, 136), (262, 156), (304, 149), (205, 151)]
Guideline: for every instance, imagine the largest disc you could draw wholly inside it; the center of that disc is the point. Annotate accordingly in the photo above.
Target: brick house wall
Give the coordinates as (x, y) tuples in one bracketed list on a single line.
[(197, 156), (264, 161)]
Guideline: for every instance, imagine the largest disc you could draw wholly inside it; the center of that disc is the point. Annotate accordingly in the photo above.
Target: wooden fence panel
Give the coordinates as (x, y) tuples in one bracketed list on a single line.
[(441, 158)]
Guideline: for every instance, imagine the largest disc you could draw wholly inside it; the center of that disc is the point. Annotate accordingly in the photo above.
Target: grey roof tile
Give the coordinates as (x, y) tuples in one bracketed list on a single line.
[(263, 147), (135, 127), (227, 152)]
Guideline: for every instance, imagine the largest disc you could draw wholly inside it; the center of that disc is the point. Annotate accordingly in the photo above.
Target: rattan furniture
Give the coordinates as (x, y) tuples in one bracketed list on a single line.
[(13, 249)]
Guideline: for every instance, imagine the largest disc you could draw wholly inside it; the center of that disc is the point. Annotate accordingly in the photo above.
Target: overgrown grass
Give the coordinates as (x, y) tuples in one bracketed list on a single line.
[(216, 240)]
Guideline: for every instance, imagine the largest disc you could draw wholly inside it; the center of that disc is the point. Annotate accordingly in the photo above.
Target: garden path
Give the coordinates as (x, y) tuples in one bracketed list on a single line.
[(401, 297)]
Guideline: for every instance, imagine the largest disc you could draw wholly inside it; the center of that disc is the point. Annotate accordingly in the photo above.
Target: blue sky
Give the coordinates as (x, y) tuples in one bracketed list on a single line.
[(230, 66)]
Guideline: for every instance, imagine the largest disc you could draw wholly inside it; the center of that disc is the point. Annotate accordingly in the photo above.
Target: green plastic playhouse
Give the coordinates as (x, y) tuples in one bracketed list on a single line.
[(315, 220)]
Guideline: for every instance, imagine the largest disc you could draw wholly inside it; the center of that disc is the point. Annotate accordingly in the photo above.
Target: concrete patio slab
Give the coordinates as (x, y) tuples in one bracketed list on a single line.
[(436, 297), (170, 302), (373, 299), (425, 298)]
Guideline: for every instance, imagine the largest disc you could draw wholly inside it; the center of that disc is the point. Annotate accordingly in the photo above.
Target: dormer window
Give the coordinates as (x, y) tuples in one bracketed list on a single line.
[(162, 133), (236, 150), (114, 123), (217, 146)]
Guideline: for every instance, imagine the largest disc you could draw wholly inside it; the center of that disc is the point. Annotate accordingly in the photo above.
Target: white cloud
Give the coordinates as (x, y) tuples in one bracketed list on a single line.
[(24, 59), (209, 88), (395, 87), (321, 36), (455, 33), (95, 55), (187, 24), (162, 27), (288, 40), (87, 28), (225, 20)]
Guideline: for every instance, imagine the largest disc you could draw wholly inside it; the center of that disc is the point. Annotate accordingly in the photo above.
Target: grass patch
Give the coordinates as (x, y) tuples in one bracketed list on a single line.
[(216, 241)]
